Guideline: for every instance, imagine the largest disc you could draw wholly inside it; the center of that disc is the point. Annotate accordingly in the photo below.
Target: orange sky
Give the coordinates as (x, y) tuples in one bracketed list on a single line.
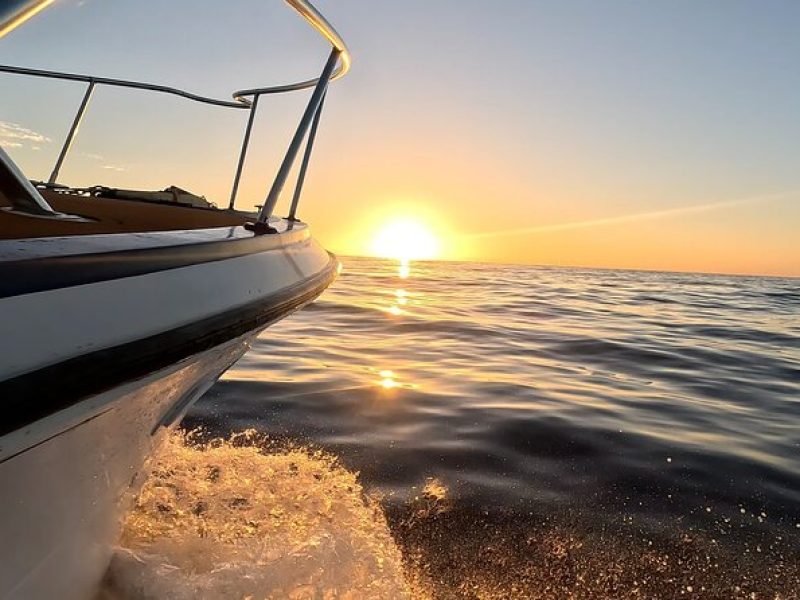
[(735, 235)]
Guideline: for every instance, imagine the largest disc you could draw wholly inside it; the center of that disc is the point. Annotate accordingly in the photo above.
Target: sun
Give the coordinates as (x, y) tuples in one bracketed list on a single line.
[(405, 239)]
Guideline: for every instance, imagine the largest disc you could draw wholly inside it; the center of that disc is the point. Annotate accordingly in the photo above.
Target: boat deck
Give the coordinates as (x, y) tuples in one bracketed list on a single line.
[(113, 215)]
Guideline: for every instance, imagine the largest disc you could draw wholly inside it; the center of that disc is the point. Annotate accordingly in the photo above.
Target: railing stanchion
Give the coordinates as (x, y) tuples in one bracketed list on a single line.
[(297, 140), (243, 152), (72, 131), (301, 176)]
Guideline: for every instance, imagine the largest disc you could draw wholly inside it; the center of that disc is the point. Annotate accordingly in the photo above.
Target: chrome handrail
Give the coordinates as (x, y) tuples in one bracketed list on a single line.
[(14, 13), (338, 65), (321, 24), (151, 87)]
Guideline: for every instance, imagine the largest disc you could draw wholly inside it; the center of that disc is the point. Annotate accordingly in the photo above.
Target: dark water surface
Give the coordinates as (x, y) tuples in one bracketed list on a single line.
[(545, 432)]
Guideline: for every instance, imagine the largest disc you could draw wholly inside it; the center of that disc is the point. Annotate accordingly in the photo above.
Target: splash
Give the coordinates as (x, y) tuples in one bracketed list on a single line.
[(236, 519), (436, 490), (242, 518)]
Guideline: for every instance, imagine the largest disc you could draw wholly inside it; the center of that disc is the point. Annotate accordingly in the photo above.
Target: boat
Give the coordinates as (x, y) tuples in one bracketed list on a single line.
[(118, 309)]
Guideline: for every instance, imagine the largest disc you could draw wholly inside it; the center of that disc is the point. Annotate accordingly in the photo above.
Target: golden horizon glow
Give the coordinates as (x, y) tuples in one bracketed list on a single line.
[(405, 239)]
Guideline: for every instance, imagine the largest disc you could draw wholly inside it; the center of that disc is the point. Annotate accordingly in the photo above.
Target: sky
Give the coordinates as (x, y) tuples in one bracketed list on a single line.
[(658, 135)]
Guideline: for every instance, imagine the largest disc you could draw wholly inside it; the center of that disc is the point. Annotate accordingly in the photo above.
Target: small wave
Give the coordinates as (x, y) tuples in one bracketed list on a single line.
[(616, 353), (331, 306), (744, 335), (647, 298)]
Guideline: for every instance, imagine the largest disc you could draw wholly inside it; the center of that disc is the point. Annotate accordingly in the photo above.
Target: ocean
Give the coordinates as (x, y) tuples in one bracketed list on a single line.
[(464, 430)]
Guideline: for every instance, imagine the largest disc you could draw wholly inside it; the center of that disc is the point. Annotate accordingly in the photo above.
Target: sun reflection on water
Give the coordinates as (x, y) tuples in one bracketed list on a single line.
[(404, 268), (388, 380), (395, 310), (400, 295)]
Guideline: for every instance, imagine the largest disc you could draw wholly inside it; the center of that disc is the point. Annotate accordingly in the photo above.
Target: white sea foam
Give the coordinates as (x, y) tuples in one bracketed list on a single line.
[(228, 519)]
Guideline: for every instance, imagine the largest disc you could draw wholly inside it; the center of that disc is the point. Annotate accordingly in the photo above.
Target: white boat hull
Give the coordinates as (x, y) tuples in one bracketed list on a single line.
[(86, 403), (63, 499)]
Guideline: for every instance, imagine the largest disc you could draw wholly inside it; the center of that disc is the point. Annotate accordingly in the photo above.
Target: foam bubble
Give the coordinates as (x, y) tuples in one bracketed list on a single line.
[(233, 519)]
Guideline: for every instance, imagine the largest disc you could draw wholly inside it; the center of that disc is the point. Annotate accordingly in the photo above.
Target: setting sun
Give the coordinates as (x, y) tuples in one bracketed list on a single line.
[(405, 239)]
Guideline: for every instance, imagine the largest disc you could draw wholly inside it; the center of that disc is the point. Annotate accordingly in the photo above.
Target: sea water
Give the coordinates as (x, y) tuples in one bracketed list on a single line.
[(458, 430)]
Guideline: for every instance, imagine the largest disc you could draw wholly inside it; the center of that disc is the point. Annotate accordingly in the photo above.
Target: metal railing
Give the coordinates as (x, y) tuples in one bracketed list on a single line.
[(14, 13), (336, 66)]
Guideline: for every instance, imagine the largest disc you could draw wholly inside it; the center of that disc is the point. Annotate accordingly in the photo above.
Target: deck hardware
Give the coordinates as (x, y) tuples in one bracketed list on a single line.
[(260, 227)]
